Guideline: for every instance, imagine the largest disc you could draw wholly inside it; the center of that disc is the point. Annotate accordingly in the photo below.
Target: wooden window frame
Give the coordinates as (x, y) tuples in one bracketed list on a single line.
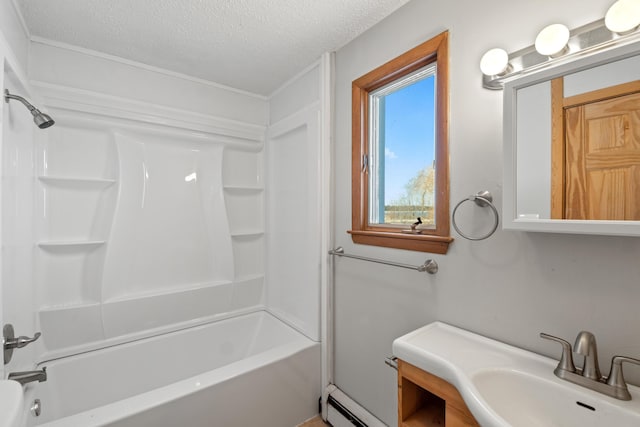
[(434, 240)]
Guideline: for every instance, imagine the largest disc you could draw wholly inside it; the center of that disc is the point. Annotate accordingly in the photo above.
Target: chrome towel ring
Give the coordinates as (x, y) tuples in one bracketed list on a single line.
[(482, 199)]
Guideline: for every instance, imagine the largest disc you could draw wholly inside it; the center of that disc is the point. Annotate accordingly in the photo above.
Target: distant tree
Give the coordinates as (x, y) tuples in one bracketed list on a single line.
[(420, 187), (417, 199)]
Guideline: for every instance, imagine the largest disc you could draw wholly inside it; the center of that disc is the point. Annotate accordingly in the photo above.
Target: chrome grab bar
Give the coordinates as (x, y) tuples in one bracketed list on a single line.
[(429, 266)]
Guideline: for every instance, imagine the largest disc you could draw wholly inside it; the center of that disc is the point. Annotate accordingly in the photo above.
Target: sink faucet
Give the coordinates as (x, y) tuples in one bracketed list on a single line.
[(589, 376), (25, 377), (586, 346)]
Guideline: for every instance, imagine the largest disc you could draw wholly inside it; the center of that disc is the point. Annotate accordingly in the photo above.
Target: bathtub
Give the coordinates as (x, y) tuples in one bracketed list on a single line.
[(251, 370)]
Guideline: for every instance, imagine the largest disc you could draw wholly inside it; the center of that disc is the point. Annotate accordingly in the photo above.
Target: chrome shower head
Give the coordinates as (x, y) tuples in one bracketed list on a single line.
[(41, 119)]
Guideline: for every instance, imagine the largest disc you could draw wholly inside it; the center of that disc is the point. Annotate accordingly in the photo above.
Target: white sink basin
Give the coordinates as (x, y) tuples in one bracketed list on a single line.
[(11, 401), (522, 399), (506, 386)]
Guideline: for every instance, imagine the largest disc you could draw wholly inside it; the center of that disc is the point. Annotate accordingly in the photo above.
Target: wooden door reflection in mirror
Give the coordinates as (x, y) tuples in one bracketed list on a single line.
[(596, 153)]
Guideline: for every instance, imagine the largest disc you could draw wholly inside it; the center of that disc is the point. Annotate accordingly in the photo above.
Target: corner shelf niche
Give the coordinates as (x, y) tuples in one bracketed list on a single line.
[(245, 210), (248, 255)]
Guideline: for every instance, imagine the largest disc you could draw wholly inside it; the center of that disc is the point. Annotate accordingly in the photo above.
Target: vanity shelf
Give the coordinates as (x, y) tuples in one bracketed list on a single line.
[(425, 400)]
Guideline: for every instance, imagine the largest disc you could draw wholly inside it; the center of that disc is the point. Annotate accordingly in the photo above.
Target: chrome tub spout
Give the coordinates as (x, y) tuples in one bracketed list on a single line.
[(26, 377)]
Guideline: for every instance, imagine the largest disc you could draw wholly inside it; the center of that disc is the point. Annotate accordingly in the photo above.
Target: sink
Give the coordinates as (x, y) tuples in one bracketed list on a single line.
[(11, 402), (506, 386), (523, 399)]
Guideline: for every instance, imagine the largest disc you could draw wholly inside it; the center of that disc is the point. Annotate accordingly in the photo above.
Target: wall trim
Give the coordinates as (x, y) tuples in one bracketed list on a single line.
[(327, 218), (102, 55), (293, 121), (84, 101), (295, 78)]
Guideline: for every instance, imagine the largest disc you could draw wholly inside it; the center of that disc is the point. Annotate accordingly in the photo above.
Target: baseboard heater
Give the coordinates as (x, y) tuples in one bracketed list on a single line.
[(346, 414), (342, 411)]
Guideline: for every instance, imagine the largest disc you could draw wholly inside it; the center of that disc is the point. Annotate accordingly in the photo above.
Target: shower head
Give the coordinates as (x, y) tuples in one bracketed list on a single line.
[(41, 119)]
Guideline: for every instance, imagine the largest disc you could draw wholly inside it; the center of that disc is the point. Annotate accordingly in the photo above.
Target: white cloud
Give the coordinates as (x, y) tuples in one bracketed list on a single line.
[(389, 154)]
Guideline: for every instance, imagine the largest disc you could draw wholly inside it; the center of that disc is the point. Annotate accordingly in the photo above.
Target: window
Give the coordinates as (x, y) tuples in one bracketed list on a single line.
[(400, 151)]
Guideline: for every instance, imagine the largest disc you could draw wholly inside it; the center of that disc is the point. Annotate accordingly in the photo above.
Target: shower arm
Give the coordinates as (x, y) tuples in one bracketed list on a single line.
[(41, 119), (8, 96)]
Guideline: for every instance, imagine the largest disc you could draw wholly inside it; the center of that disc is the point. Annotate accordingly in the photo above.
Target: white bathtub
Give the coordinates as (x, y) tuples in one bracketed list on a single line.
[(251, 370)]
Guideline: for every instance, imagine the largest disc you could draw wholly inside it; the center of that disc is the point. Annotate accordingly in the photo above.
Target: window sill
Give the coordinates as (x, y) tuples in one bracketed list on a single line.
[(411, 242)]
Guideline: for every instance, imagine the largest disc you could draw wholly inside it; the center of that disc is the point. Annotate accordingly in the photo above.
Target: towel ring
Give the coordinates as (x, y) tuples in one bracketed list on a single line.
[(482, 199)]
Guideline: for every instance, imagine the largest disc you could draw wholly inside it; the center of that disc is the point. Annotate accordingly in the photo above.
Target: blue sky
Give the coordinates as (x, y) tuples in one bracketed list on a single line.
[(409, 124)]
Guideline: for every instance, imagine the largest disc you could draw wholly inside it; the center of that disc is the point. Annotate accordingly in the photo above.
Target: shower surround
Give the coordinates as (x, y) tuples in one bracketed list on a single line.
[(157, 207), (142, 227)]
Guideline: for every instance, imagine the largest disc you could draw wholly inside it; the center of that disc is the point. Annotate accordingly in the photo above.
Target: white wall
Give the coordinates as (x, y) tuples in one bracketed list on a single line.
[(294, 203), (17, 221), (14, 42), (509, 287), (15, 170), (83, 69)]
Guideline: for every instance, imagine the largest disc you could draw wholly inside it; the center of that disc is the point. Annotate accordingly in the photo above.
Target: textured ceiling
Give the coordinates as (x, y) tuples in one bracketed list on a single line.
[(254, 45)]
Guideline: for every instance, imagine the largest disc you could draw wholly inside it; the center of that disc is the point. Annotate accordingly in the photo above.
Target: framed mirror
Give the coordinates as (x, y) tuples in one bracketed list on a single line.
[(572, 146)]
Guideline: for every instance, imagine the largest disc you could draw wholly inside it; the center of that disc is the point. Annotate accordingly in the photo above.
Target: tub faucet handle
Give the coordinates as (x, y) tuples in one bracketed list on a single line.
[(566, 360), (21, 341), (10, 342)]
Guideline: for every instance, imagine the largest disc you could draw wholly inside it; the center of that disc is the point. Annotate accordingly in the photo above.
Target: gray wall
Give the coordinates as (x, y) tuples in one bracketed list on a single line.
[(509, 287)]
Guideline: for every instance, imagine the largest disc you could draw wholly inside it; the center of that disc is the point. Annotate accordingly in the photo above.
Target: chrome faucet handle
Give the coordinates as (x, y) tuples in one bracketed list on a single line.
[(10, 342), (21, 341), (586, 346), (616, 379), (566, 360)]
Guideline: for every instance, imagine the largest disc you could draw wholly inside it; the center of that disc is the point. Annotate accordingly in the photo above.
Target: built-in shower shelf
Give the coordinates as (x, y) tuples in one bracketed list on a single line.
[(76, 182), (243, 189), (77, 244), (248, 277), (247, 233)]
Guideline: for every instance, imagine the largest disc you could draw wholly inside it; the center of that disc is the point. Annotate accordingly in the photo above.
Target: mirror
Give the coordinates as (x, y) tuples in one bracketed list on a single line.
[(552, 131)]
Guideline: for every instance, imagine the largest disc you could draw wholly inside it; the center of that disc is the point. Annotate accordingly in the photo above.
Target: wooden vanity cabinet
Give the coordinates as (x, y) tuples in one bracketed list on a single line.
[(425, 400)]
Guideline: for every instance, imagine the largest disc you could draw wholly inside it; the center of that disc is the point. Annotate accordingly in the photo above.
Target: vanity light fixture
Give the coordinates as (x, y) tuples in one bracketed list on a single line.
[(552, 40), (623, 16), (495, 62), (556, 45)]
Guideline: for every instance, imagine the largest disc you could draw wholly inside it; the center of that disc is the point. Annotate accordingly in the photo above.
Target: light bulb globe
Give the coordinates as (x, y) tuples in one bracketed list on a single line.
[(552, 40), (494, 62), (623, 16)]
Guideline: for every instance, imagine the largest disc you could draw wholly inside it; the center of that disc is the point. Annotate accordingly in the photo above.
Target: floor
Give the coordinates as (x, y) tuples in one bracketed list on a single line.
[(315, 422)]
